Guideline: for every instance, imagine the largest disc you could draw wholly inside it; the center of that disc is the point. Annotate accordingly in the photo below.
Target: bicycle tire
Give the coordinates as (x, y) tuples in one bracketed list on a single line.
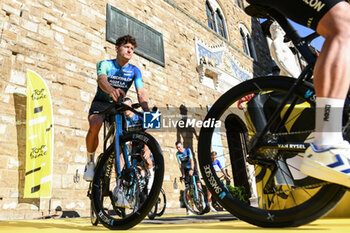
[(161, 205), (203, 198), (93, 217), (319, 203), (153, 212), (159, 208), (126, 220)]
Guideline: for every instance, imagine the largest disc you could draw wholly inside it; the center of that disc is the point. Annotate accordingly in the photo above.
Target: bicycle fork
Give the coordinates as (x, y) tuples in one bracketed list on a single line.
[(196, 196)]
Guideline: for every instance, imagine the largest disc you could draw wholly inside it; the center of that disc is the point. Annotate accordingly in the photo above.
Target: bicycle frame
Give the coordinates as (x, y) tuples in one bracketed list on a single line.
[(116, 130), (302, 45)]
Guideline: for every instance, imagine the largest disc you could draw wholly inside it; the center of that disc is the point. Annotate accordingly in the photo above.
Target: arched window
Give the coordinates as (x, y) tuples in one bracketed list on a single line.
[(247, 42), (210, 16), (215, 18), (220, 23)]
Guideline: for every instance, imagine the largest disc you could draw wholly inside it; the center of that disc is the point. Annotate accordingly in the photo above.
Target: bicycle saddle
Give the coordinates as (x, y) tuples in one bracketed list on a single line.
[(258, 11)]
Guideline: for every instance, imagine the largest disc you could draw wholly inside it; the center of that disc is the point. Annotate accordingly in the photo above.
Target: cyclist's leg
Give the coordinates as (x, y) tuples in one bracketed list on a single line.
[(332, 78), (187, 184), (146, 156), (119, 191), (210, 201), (332, 74), (95, 123)]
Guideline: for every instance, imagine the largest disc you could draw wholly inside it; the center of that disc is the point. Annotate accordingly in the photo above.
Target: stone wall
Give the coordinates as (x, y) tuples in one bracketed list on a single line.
[(62, 40)]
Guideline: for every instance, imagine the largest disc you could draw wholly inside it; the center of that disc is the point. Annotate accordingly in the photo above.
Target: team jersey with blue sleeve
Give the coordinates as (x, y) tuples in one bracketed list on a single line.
[(184, 158), (118, 77), (217, 162)]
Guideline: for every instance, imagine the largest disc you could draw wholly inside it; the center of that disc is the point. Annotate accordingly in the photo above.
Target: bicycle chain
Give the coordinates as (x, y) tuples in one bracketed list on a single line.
[(291, 133)]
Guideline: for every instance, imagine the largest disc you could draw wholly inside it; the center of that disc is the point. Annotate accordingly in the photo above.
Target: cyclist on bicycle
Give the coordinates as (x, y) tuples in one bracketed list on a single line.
[(328, 157), (186, 165), (114, 78), (216, 162)]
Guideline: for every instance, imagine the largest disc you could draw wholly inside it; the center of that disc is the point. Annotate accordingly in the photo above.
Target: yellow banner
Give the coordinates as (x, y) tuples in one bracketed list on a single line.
[(39, 138)]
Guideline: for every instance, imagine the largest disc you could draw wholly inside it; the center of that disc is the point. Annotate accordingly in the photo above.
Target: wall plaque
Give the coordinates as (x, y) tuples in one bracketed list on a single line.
[(150, 42)]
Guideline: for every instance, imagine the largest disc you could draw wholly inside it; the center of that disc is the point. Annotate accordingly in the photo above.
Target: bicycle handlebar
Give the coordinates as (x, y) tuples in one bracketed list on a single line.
[(121, 107)]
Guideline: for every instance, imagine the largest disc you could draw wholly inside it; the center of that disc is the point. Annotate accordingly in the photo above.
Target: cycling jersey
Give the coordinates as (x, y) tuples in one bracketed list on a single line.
[(305, 12), (118, 77), (217, 162), (184, 158)]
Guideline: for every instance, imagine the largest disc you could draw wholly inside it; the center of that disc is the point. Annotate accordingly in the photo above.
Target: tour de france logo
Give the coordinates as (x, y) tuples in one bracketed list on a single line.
[(39, 94), (151, 120)]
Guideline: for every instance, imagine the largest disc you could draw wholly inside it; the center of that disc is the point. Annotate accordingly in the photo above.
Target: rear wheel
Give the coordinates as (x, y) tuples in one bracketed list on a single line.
[(268, 189), (159, 208), (153, 213), (161, 203), (107, 187)]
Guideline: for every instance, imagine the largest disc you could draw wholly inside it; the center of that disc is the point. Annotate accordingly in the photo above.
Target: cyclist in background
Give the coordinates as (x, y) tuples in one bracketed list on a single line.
[(114, 78), (216, 162), (186, 165), (328, 157)]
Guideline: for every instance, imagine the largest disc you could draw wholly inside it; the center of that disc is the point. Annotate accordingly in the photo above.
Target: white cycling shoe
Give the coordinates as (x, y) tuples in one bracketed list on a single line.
[(89, 171), (189, 213), (212, 209), (120, 199), (332, 164)]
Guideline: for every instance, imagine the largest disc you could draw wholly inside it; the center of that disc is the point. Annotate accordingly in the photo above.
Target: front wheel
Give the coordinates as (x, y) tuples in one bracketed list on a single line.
[(117, 200), (196, 202), (268, 189)]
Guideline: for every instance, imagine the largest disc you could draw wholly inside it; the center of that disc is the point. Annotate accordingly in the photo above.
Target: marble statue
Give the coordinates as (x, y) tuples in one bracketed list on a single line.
[(281, 53)]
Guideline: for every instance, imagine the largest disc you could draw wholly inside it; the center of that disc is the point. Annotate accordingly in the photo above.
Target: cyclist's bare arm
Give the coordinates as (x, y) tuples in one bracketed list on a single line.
[(225, 174), (192, 167), (103, 83), (182, 172), (142, 98)]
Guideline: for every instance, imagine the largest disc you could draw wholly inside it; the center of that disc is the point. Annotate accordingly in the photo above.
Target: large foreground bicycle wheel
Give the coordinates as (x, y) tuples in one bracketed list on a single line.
[(106, 186), (268, 189)]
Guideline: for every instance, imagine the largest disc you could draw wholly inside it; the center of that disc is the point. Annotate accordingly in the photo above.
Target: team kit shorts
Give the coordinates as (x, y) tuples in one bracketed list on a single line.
[(305, 12), (98, 106), (188, 177)]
